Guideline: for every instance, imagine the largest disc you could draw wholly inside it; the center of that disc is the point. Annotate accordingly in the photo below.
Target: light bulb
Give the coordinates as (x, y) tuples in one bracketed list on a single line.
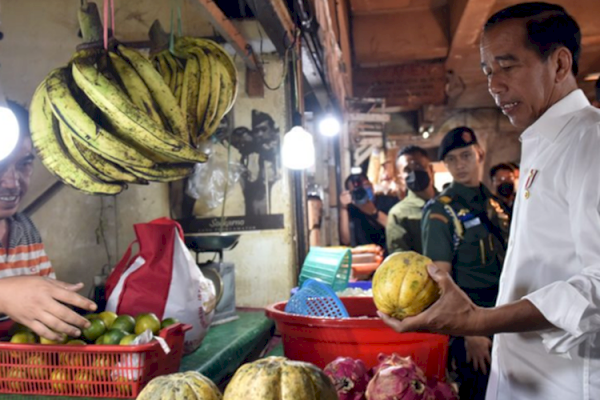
[(298, 149), (9, 132), (329, 126)]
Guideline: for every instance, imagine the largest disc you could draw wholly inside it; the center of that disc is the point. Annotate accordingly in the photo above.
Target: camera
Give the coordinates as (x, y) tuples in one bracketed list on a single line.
[(358, 192)]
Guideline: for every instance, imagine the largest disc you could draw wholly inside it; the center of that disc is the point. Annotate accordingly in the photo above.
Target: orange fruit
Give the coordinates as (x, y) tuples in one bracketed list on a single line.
[(168, 322), (147, 321), (103, 367), (58, 378), (127, 339), (73, 359), (108, 317), (64, 339), (113, 336), (37, 372), (95, 330), (82, 381), (124, 322), (16, 373)]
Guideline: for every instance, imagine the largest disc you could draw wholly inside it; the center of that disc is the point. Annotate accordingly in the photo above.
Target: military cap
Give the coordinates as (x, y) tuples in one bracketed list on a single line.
[(455, 139)]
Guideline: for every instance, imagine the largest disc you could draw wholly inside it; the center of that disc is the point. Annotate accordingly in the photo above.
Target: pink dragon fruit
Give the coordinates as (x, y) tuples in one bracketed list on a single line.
[(399, 383), (349, 376), (442, 390), (396, 360)]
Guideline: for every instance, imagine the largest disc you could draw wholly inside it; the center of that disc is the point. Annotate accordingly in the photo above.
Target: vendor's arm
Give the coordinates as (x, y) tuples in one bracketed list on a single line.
[(345, 201), (42, 304)]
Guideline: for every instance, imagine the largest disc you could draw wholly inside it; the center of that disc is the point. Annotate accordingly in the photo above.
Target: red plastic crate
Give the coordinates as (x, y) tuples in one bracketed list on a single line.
[(321, 340), (92, 370)]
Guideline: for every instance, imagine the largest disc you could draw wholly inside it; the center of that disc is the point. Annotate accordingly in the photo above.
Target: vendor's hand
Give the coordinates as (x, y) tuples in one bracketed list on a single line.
[(345, 199), (452, 314), (478, 352), (40, 303)]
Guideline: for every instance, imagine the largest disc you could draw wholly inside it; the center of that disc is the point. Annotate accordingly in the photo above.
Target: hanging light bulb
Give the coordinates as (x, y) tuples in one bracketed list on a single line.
[(298, 149), (329, 126), (9, 132)]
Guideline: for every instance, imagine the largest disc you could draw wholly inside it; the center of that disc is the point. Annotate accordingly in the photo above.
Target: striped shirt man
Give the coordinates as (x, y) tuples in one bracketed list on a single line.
[(25, 254)]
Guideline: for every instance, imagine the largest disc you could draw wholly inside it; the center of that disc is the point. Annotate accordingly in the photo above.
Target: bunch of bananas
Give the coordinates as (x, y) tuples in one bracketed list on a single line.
[(203, 78), (107, 119)]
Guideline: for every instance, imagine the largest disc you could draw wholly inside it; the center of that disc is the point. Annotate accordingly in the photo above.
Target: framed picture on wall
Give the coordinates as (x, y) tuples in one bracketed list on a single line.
[(254, 199)]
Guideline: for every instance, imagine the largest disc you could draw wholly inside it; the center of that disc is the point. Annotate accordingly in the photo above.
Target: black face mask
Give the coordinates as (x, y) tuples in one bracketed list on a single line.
[(418, 180), (506, 189)]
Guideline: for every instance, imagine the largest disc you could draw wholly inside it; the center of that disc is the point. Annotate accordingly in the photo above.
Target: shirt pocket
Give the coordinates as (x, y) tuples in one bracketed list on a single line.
[(474, 248)]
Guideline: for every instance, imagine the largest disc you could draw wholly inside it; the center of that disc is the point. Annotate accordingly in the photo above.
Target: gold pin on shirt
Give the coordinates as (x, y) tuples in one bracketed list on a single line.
[(530, 178)]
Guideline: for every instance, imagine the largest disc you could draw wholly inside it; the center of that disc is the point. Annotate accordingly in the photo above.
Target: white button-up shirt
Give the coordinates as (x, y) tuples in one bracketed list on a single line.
[(553, 260)]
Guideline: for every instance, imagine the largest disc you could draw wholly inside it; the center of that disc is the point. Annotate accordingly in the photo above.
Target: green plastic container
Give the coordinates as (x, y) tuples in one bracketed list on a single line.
[(327, 265)]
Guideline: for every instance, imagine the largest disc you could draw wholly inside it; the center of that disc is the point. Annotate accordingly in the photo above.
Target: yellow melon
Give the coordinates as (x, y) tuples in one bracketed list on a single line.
[(401, 285)]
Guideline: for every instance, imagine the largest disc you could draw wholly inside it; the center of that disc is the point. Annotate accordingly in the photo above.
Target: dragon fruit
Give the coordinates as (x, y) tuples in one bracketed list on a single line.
[(442, 390), (399, 383), (396, 360), (349, 376)]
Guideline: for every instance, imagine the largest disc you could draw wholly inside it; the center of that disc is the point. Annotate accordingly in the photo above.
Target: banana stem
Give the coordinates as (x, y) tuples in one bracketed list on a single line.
[(159, 39), (90, 23)]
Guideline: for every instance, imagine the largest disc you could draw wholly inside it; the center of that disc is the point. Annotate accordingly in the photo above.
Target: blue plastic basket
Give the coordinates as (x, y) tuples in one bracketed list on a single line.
[(316, 299)]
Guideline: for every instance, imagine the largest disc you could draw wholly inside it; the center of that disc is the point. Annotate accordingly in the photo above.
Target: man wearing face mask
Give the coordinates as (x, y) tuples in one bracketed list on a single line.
[(363, 215), (403, 229), (504, 184), (465, 233)]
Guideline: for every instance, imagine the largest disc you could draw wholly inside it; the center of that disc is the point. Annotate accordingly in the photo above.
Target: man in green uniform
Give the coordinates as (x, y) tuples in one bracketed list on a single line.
[(403, 229), (465, 232)]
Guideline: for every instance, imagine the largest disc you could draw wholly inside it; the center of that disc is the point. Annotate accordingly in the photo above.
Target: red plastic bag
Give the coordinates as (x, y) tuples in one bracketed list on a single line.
[(163, 278)]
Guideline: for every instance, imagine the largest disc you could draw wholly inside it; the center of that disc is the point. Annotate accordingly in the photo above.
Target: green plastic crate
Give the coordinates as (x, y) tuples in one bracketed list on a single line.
[(327, 265)]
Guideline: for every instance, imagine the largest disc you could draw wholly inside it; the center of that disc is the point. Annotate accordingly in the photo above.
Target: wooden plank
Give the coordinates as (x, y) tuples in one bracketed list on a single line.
[(400, 37), (374, 6), (407, 86), (226, 29), (469, 25), (343, 16)]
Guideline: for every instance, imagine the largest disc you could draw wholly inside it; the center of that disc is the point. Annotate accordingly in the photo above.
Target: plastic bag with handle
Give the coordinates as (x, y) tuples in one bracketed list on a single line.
[(163, 278)]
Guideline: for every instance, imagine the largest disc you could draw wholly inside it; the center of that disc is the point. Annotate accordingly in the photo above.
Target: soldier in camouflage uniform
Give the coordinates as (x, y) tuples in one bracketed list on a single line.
[(465, 232)]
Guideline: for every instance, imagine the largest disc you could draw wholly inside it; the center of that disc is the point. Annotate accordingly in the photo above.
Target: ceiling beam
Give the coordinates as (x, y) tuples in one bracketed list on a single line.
[(343, 16), (395, 38), (275, 21), (467, 20), (231, 34)]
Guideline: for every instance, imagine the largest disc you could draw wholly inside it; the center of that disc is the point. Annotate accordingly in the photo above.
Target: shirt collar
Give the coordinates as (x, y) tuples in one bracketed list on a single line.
[(551, 123)]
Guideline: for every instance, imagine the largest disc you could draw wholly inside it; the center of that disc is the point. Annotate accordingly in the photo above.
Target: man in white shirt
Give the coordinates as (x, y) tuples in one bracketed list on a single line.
[(547, 317)]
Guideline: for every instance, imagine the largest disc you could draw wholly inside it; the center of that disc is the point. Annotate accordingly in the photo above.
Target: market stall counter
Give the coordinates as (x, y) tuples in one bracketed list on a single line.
[(223, 350)]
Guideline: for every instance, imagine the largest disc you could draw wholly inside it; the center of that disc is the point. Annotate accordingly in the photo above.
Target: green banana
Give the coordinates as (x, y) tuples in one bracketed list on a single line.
[(93, 163), (215, 86), (163, 172), (129, 122), (216, 51), (225, 95), (46, 140), (162, 94), (66, 108), (165, 70), (134, 86), (189, 95)]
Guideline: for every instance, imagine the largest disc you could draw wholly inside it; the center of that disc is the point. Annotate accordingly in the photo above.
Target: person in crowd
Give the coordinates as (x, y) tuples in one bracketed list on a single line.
[(465, 232), (545, 322), (403, 229)]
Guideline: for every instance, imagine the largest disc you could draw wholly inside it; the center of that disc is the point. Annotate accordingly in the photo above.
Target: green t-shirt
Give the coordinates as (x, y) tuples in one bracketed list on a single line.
[(403, 230)]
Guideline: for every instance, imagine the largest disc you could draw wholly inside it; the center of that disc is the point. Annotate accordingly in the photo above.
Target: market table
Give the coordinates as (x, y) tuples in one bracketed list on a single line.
[(224, 349)]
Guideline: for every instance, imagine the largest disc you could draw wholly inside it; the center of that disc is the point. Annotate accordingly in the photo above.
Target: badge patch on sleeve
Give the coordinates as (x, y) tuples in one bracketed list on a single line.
[(439, 217)]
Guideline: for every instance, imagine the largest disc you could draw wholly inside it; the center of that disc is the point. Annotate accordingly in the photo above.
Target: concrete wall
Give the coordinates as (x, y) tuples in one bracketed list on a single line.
[(42, 35)]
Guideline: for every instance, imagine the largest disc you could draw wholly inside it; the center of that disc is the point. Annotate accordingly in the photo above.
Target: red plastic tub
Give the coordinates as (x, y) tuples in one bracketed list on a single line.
[(320, 341)]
